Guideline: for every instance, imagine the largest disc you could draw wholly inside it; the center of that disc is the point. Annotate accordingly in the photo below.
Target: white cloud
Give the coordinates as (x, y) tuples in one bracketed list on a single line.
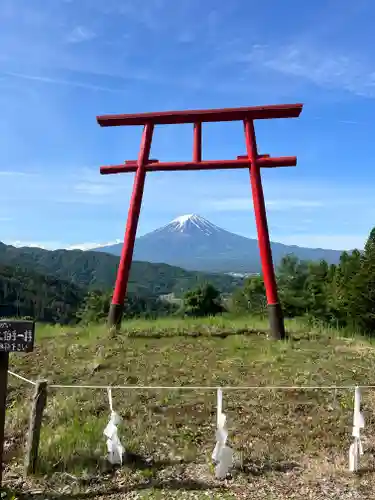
[(54, 245), (59, 81), (289, 204), (331, 241), (94, 189), (326, 68), (91, 245), (45, 245), (11, 173), (241, 204), (80, 34)]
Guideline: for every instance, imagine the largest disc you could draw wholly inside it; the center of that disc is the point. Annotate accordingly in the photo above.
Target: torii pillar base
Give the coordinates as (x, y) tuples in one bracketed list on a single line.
[(115, 316), (276, 321)]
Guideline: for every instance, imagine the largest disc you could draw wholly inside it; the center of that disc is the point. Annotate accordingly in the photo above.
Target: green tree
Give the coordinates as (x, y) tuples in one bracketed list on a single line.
[(343, 293), (251, 297), (316, 290), (202, 301), (96, 304), (95, 307), (44, 298), (292, 277), (361, 293), (370, 244)]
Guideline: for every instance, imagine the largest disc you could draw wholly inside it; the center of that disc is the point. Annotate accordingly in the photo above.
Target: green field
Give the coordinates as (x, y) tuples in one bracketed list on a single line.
[(288, 444)]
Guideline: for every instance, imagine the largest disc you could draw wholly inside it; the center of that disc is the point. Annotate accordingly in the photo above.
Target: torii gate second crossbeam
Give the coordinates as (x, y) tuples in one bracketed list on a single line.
[(253, 161)]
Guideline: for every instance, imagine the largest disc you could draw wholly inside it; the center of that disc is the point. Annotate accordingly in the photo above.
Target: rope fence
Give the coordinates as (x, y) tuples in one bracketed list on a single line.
[(222, 455), (203, 387), (215, 387), (21, 378)]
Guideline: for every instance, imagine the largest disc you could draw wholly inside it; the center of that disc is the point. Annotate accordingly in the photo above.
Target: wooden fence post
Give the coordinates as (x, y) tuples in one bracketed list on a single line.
[(33, 437), (4, 360)]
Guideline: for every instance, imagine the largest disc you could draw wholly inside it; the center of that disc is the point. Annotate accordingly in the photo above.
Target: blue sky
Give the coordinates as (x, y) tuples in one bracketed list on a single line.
[(63, 62)]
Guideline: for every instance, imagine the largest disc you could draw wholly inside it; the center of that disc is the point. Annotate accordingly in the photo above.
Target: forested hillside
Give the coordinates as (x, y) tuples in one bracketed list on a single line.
[(53, 286), (98, 270), (46, 298)]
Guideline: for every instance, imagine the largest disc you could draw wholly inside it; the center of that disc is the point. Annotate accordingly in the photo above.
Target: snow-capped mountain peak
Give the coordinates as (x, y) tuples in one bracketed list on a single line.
[(192, 242), (182, 219), (191, 223)]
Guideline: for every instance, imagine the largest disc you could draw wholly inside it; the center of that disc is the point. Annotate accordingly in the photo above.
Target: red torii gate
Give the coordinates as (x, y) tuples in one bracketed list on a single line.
[(252, 160)]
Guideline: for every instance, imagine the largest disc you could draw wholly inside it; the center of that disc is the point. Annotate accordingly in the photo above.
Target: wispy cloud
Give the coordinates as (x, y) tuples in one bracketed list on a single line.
[(55, 245), (289, 204), (59, 81), (80, 34), (94, 189), (242, 204), (11, 173), (344, 122), (45, 245), (332, 241), (316, 64), (91, 245)]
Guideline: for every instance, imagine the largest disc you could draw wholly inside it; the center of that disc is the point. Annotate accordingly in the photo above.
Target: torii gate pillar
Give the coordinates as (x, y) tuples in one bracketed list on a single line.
[(253, 161)]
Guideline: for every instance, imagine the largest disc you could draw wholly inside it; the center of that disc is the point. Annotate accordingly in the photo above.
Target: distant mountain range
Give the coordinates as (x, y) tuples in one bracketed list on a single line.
[(193, 243)]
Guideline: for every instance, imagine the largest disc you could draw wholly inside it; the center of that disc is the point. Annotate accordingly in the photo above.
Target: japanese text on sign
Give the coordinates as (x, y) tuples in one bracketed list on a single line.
[(16, 336)]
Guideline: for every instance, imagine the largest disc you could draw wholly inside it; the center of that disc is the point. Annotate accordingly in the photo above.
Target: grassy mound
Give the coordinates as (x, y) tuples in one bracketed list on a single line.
[(288, 444)]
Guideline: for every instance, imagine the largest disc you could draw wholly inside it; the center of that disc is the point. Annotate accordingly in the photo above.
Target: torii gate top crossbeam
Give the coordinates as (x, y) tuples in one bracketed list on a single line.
[(197, 117), (203, 115)]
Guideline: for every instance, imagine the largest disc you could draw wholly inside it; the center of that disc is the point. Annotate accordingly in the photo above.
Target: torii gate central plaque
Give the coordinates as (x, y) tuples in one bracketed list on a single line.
[(252, 160)]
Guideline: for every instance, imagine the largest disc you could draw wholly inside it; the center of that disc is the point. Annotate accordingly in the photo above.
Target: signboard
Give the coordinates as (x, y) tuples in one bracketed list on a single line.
[(16, 335)]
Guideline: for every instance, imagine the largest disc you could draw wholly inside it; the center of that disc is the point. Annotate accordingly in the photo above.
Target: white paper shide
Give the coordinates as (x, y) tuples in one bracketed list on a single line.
[(222, 454), (356, 449), (114, 446)]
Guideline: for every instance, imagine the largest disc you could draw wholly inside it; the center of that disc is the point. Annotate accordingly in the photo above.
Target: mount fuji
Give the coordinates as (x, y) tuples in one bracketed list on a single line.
[(194, 243)]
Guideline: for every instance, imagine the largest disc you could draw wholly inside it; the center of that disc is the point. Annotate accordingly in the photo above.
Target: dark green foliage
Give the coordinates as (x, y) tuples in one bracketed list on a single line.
[(342, 294), (44, 298), (251, 297), (72, 285), (370, 243), (343, 288), (202, 301), (317, 291), (292, 276), (48, 299), (360, 292), (95, 307), (97, 270)]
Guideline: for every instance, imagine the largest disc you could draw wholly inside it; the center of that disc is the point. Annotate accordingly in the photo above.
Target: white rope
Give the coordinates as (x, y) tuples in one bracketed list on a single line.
[(200, 388), (21, 378), (109, 389), (215, 388)]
